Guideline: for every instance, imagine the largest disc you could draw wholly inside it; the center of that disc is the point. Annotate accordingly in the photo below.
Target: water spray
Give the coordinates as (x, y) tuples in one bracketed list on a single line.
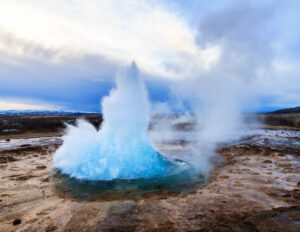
[(121, 149)]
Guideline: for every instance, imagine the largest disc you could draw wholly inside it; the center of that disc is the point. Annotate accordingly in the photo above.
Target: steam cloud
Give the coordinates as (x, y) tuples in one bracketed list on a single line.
[(121, 148), (216, 96)]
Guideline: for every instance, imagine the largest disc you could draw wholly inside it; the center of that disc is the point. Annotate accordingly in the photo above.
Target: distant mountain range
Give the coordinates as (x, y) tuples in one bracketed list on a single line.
[(287, 111), (74, 113), (42, 112)]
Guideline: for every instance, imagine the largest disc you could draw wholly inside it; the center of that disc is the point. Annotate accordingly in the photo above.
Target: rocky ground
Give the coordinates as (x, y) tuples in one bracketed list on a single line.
[(256, 187)]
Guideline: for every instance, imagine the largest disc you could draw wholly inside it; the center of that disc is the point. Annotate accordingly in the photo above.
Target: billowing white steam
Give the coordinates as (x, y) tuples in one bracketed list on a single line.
[(121, 148)]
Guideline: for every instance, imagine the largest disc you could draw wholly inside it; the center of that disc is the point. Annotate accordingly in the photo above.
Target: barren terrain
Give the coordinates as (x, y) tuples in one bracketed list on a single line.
[(256, 187)]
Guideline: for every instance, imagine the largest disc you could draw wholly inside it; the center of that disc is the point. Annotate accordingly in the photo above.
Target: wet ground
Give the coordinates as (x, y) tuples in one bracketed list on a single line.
[(254, 187)]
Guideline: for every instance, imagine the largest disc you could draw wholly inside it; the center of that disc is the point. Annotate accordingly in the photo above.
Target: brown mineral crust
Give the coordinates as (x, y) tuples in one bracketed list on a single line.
[(243, 193)]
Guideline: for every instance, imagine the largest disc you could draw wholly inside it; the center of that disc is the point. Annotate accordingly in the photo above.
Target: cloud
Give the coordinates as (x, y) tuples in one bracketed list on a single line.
[(256, 61), (22, 104), (17, 53), (119, 31), (65, 51), (244, 32)]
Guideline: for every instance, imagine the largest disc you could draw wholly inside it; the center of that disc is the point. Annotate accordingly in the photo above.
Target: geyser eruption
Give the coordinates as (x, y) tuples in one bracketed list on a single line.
[(121, 149)]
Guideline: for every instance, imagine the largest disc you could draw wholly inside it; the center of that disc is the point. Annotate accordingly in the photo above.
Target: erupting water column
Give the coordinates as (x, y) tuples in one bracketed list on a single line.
[(121, 149)]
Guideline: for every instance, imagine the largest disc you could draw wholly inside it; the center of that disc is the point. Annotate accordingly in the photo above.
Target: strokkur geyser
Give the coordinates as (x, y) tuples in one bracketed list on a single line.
[(121, 149)]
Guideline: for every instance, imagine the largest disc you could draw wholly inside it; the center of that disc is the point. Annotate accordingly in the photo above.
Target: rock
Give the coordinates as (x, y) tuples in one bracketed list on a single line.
[(17, 221), (268, 161), (41, 167), (24, 178), (275, 220), (223, 177), (50, 228), (4, 158), (45, 179), (295, 193)]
